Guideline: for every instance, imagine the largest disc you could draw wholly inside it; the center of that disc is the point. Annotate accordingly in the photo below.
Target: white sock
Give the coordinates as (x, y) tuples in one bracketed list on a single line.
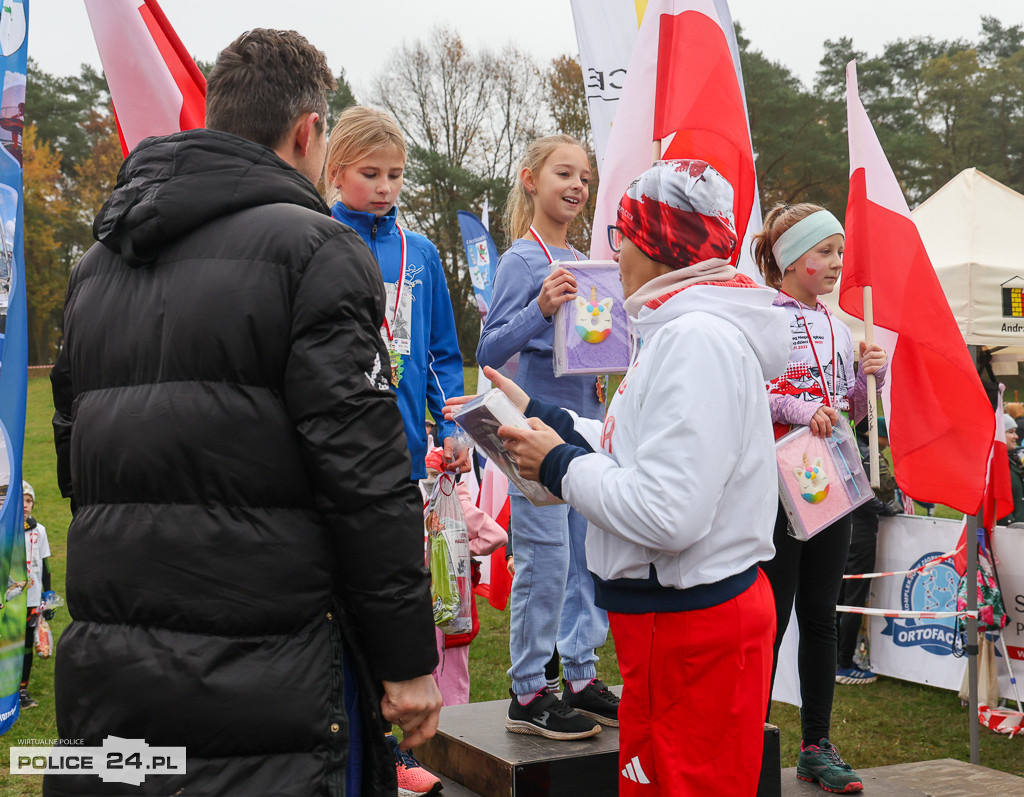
[(577, 685), (525, 699)]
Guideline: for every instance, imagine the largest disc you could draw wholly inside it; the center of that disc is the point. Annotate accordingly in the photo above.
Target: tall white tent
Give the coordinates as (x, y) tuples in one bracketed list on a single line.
[(971, 228)]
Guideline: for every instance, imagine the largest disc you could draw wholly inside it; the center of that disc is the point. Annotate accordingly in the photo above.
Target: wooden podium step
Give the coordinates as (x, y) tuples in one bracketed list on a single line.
[(473, 749)]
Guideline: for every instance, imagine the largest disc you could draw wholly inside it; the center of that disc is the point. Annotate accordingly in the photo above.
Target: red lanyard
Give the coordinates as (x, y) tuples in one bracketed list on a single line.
[(829, 400), (547, 251), (389, 326)]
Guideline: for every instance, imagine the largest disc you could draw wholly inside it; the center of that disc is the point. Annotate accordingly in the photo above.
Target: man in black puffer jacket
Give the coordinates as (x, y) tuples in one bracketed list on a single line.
[(245, 562)]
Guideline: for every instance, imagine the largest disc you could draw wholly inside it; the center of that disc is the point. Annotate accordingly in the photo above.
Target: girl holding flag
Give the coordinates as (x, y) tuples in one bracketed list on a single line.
[(552, 598), (800, 252)]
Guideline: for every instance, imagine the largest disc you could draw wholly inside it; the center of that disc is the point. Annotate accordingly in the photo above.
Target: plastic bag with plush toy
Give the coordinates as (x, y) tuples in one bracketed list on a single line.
[(451, 586)]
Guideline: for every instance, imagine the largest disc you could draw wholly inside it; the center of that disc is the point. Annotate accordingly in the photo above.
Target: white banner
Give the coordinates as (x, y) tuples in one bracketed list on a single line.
[(921, 650), (605, 32)]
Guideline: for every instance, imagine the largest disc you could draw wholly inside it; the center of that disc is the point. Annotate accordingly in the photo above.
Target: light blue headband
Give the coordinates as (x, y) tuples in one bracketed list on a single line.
[(803, 235)]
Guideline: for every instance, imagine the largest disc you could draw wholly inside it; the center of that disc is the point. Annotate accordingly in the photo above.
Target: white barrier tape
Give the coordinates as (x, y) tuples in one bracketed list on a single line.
[(904, 615), (920, 569)]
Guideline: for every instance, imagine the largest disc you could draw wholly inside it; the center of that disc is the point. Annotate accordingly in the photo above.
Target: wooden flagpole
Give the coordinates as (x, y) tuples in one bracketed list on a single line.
[(656, 150), (869, 338)]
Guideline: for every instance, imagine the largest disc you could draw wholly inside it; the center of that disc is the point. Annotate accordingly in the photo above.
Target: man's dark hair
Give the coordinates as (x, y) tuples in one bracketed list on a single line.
[(263, 81)]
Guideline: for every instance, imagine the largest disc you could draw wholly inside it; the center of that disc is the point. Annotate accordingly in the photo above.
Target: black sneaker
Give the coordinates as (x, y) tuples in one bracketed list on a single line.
[(548, 716), (25, 699), (595, 700)]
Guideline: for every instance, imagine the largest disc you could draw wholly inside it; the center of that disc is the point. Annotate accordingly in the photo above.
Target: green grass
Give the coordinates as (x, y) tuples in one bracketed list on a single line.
[(888, 722)]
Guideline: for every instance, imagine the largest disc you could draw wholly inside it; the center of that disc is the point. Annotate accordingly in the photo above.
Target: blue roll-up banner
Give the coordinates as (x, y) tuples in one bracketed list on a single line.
[(13, 355), (482, 256)]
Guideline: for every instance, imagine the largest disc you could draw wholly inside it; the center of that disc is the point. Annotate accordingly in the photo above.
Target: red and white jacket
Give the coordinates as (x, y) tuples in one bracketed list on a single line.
[(820, 369)]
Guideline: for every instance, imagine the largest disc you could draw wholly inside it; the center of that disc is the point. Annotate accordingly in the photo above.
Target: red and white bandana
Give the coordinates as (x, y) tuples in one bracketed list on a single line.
[(679, 212)]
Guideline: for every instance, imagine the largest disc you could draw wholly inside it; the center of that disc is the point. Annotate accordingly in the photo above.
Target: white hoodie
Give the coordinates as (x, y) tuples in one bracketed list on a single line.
[(687, 481)]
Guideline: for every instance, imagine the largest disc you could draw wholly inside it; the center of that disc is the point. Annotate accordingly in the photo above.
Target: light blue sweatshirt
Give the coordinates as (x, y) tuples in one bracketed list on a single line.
[(515, 325)]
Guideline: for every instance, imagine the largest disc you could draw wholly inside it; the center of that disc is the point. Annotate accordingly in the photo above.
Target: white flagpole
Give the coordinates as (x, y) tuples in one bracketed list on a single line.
[(869, 338)]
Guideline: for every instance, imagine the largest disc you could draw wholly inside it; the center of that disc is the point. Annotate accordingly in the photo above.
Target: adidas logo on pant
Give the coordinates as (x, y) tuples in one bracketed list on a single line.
[(634, 772)]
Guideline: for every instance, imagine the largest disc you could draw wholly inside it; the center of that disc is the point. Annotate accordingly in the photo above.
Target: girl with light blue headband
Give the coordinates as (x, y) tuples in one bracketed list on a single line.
[(800, 253)]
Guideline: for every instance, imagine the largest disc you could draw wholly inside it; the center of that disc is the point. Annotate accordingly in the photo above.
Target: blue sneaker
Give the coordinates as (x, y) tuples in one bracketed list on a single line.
[(854, 676)]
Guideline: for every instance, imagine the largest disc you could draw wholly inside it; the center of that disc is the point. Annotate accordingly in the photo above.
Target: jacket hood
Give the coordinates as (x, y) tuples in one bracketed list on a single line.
[(171, 185), (747, 306)]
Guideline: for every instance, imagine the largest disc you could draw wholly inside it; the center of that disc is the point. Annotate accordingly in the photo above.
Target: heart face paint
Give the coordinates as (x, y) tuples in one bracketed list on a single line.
[(816, 271)]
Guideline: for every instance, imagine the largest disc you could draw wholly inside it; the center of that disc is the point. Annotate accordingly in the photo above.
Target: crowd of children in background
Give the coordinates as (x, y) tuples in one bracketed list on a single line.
[(553, 612)]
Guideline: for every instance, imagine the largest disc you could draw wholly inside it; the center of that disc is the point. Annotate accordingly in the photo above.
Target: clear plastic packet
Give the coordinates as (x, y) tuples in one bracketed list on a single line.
[(44, 639), (451, 584), (481, 418), (821, 479), (592, 332)]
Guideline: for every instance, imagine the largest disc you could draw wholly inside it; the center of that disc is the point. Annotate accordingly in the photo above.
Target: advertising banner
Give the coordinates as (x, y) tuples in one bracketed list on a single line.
[(13, 355)]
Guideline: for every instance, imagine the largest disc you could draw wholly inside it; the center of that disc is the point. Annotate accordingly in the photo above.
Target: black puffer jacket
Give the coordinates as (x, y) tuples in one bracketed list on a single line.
[(239, 477)]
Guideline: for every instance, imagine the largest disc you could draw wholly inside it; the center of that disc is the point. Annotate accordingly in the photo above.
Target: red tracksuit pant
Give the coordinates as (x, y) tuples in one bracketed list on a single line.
[(695, 685)]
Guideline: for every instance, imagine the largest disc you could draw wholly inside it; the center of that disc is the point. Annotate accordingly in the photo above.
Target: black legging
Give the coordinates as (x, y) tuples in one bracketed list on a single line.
[(861, 559), (811, 573), (30, 641)]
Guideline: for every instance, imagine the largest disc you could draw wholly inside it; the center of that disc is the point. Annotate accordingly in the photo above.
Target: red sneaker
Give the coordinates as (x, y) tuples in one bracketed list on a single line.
[(413, 779)]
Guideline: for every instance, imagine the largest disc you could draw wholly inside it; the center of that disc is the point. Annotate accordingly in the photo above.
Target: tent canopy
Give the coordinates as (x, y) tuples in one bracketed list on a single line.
[(970, 228)]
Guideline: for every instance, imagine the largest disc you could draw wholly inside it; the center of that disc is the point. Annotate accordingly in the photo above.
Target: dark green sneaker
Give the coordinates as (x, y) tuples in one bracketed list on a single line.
[(821, 763)]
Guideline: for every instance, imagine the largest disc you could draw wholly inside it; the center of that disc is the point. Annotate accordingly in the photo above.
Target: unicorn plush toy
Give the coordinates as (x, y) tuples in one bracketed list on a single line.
[(593, 317), (813, 481)]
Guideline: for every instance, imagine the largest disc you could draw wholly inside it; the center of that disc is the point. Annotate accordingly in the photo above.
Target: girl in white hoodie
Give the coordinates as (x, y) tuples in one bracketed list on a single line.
[(679, 487)]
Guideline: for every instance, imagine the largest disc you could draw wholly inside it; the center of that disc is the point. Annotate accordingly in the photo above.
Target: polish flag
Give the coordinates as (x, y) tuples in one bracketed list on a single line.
[(682, 89), (156, 87), (998, 499), (940, 420)]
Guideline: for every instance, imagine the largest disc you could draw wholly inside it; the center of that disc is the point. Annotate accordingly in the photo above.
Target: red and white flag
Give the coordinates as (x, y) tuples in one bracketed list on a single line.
[(156, 87), (998, 499), (682, 88), (940, 421)]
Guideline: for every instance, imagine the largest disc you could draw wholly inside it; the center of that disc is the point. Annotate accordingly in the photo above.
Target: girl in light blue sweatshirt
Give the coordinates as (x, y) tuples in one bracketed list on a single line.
[(552, 599)]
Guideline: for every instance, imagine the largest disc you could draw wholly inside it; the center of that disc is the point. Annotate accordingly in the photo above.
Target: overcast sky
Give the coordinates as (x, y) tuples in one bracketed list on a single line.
[(359, 36)]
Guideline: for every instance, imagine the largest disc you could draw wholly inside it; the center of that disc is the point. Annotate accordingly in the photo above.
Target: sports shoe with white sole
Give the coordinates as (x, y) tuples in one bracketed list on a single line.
[(595, 700), (854, 676), (549, 717)]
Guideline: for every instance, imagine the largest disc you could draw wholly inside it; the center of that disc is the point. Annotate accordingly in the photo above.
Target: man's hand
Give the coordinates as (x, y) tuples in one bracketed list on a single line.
[(413, 706)]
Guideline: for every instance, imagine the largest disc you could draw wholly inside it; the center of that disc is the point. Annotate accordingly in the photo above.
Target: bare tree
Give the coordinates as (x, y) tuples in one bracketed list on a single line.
[(467, 116)]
